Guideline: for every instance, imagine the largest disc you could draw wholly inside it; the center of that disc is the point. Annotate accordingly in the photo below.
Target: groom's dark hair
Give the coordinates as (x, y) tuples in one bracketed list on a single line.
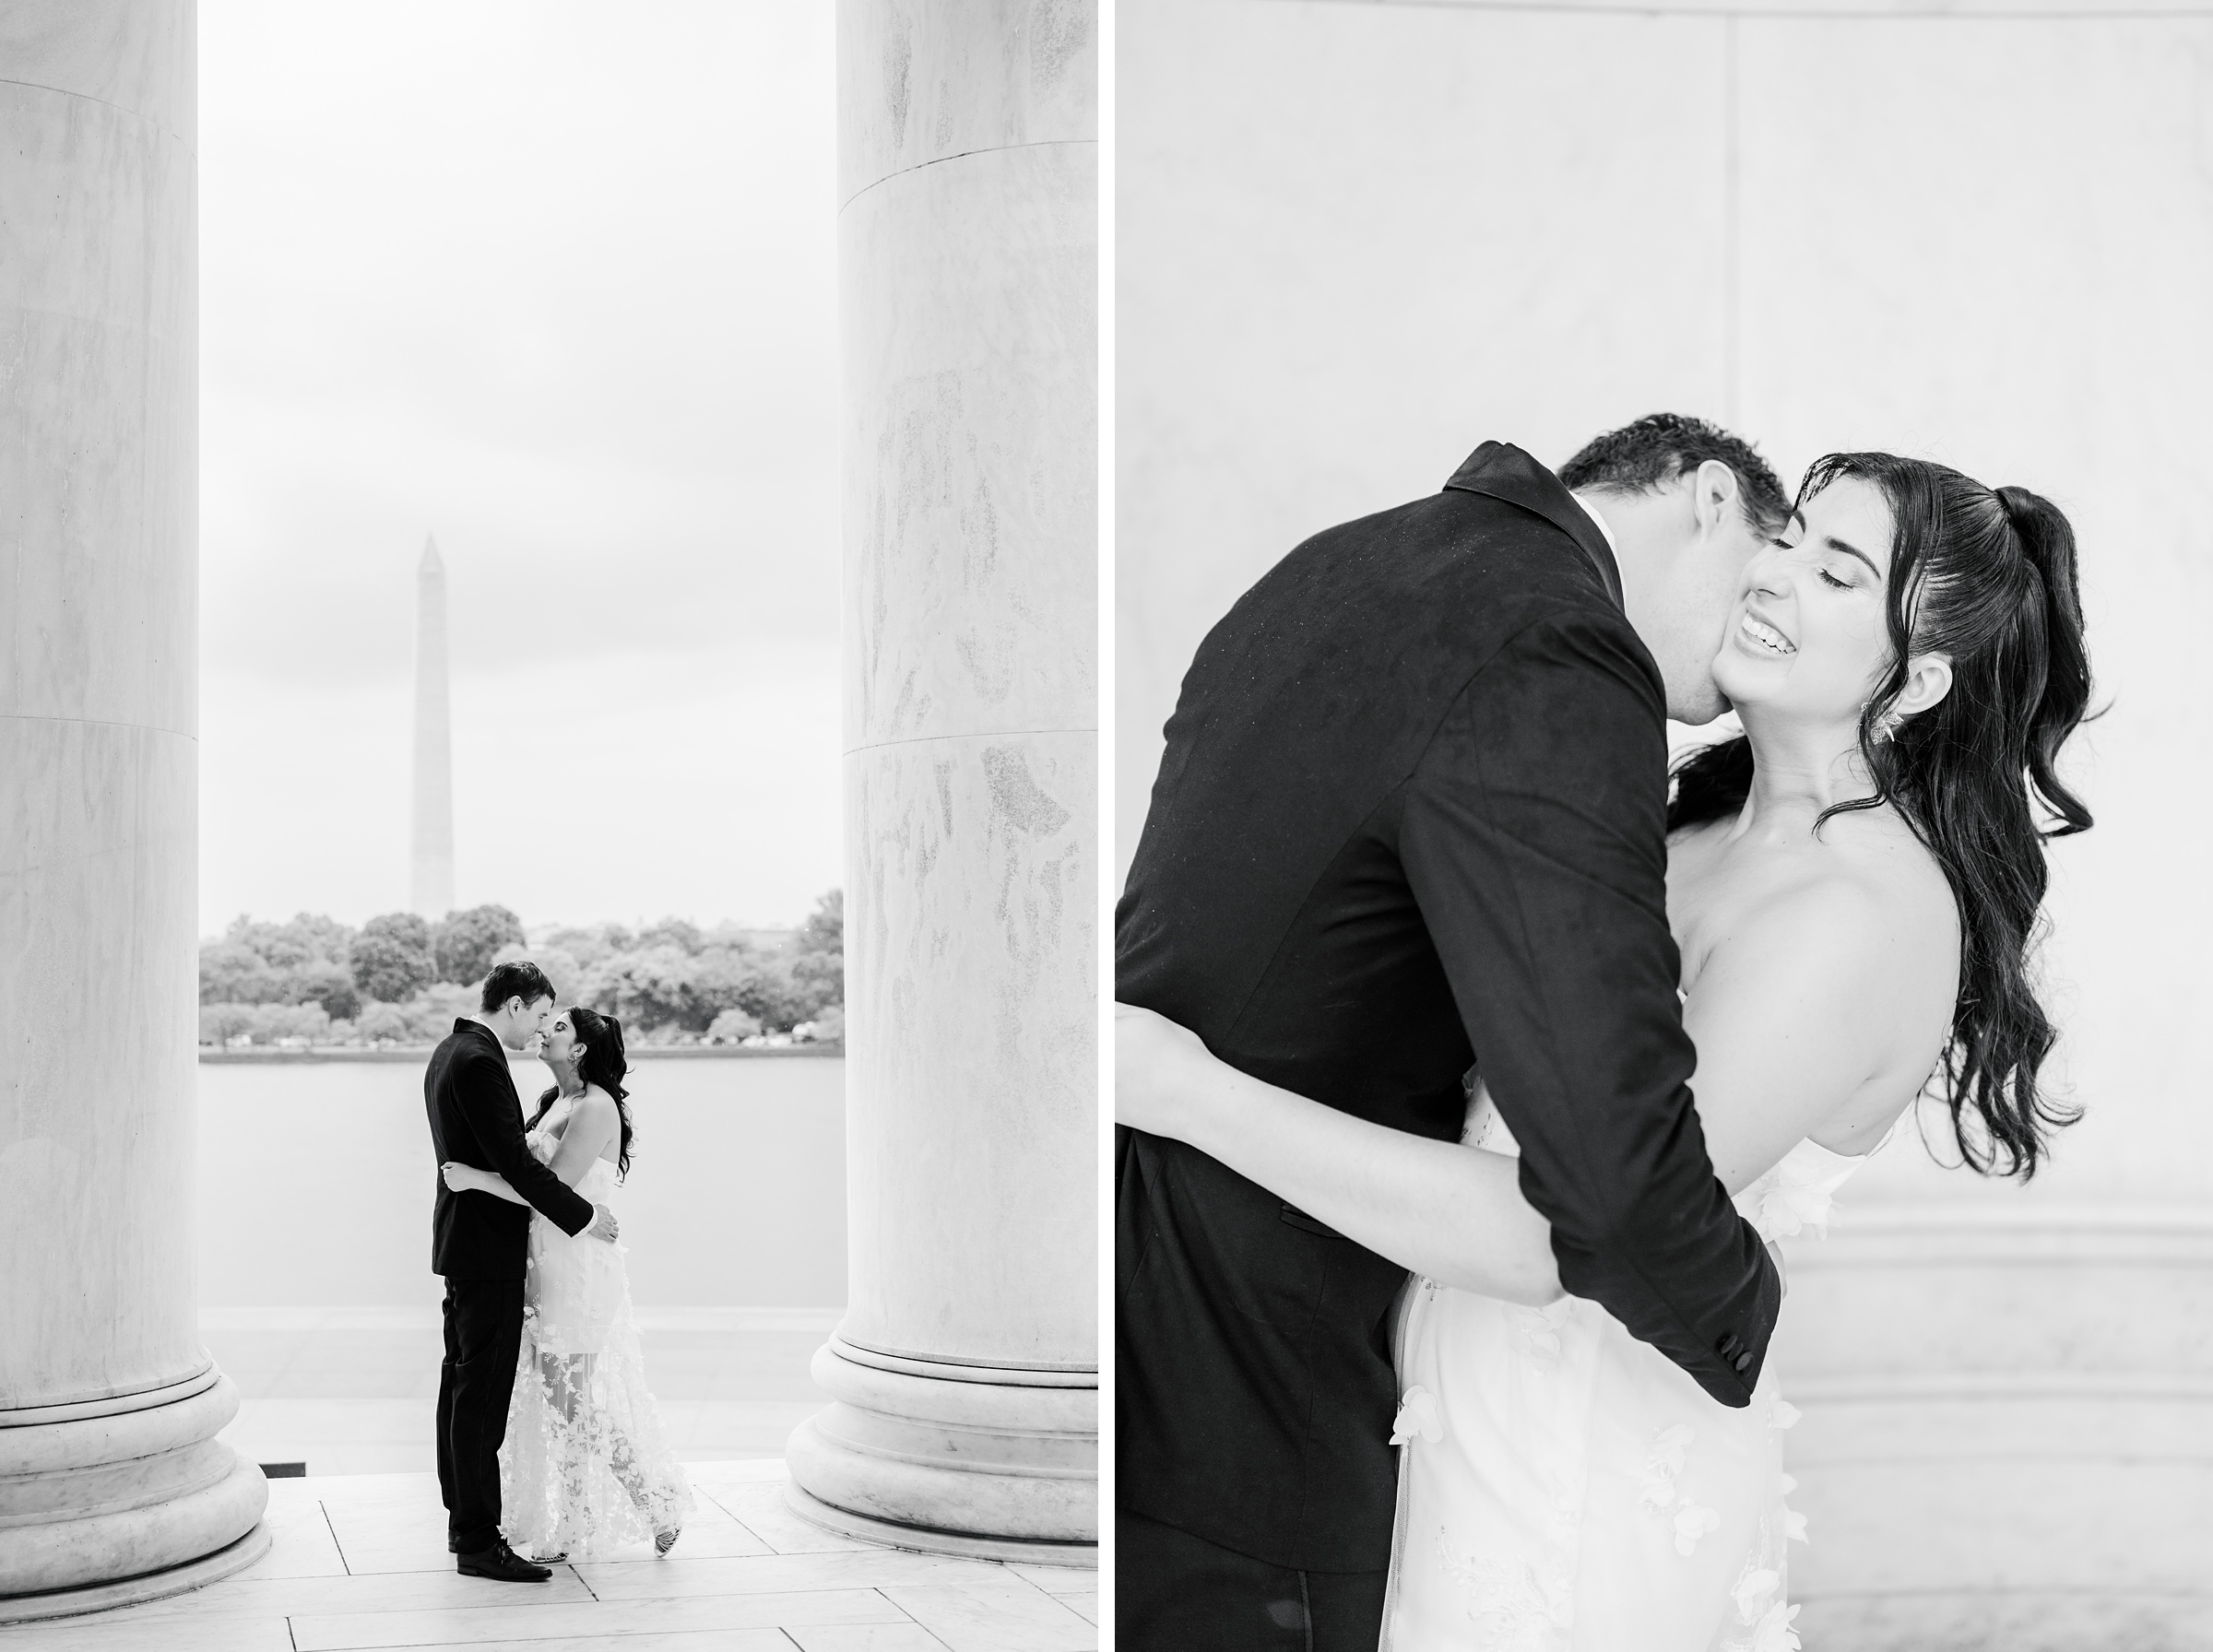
[(1662, 446), (519, 979)]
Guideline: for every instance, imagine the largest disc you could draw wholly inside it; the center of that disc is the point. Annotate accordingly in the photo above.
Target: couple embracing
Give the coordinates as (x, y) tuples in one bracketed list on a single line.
[(548, 1438), (1443, 1306)]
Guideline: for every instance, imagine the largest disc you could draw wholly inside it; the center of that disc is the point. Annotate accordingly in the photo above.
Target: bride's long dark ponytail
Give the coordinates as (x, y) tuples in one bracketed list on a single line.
[(604, 1064), (1986, 577)]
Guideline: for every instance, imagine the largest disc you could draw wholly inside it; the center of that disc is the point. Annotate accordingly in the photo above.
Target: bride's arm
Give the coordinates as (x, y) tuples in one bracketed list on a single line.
[(1792, 1017), (591, 1126), (467, 1178), (1380, 1187)]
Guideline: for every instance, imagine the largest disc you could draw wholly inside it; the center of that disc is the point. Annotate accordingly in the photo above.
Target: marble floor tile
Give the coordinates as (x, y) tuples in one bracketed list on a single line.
[(395, 1527), (129, 1629), (1058, 1580), (365, 1592), (1011, 1617), (865, 1637), (301, 1544), (584, 1621), (713, 1532), (759, 1506), (419, 1487), (783, 1574)]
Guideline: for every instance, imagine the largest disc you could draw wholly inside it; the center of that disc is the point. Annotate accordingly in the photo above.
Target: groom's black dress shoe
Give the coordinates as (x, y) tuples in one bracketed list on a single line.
[(501, 1563)]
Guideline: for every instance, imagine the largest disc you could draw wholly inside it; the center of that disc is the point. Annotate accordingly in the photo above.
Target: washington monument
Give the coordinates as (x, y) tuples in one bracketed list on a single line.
[(430, 879)]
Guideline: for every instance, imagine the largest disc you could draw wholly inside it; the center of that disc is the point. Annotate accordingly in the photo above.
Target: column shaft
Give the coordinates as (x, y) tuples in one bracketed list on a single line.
[(965, 1368), (109, 1404)]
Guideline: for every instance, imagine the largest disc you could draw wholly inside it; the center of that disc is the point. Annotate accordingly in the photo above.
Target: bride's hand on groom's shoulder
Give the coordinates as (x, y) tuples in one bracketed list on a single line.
[(1155, 1061), (458, 1177)]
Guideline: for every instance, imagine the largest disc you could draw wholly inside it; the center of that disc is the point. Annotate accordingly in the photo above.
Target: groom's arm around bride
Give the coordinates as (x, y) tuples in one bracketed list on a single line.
[(473, 1090)]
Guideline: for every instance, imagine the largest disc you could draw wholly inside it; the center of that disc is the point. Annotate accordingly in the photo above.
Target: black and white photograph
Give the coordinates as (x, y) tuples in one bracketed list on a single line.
[(549, 912), (1046, 825), (1659, 772)]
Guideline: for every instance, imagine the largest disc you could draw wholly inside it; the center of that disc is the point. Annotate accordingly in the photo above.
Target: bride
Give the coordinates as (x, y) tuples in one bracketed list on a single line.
[(1852, 886), (585, 1467)]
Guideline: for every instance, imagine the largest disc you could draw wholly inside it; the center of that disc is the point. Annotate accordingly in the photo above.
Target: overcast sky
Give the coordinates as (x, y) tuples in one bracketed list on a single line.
[(556, 284)]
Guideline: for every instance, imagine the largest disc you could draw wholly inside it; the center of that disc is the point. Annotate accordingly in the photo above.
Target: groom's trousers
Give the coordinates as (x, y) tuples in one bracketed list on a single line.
[(1173, 1592), (483, 1338)]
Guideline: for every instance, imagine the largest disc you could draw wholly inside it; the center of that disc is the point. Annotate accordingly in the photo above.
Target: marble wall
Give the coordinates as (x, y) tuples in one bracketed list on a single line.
[(109, 1404), (1355, 240), (967, 1366)]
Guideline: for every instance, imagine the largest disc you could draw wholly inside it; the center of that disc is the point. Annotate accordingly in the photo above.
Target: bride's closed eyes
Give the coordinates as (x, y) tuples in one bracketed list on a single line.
[(1836, 569)]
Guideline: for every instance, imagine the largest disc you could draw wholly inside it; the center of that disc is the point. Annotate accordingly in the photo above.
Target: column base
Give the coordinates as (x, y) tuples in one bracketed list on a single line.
[(951, 1459), (139, 1498), (816, 1512), (132, 1591)]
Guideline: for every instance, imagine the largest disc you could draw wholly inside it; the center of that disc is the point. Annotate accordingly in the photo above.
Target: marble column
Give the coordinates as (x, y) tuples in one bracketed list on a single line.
[(965, 1370), (112, 1485)]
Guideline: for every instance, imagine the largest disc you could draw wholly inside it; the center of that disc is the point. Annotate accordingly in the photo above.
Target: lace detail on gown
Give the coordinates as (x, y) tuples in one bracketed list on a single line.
[(585, 1469), (1567, 1488)]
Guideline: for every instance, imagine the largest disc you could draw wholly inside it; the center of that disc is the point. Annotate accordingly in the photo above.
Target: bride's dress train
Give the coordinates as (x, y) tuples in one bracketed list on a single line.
[(585, 1469), (1567, 1488)]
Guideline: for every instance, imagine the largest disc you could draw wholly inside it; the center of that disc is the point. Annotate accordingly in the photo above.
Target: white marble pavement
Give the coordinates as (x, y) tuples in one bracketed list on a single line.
[(354, 1390), (360, 1561)]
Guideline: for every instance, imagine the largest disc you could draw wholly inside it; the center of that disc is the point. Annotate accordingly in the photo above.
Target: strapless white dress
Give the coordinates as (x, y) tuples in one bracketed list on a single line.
[(585, 1469), (1564, 1487)]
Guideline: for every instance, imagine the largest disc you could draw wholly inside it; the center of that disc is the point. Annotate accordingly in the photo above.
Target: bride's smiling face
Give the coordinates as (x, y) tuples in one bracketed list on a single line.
[(1808, 637)]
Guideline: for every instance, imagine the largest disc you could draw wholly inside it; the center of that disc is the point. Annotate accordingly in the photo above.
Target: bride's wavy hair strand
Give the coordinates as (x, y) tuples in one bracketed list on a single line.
[(1986, 577)]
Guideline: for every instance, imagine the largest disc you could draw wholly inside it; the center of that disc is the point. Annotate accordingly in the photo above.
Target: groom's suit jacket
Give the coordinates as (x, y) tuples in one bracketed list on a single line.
[(477, 1118), (1411, 818)]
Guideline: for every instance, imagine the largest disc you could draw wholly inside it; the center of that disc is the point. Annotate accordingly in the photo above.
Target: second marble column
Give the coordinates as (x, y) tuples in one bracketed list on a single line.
[(965, 1370)]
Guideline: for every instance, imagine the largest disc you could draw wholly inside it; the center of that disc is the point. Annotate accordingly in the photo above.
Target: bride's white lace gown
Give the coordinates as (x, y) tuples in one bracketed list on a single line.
[(585, 1469), (1567, 1488)]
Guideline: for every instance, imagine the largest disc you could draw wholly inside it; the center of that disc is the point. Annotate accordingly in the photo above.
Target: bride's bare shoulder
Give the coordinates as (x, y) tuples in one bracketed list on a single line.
[(1870, 896)]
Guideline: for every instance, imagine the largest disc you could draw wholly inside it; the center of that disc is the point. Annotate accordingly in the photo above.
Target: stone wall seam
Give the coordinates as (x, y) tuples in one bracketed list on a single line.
[(171, 133), (183, 733), (978, 734), (923, 166)]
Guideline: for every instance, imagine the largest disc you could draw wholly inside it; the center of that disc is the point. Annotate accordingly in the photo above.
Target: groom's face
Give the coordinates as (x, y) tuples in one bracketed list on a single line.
[(526, 1022), (1714, 573), (536, 1017), (1688, 544)]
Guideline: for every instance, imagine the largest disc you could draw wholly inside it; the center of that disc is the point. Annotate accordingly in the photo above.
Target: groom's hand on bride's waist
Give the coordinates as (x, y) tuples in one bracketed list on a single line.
[(603, 1225)]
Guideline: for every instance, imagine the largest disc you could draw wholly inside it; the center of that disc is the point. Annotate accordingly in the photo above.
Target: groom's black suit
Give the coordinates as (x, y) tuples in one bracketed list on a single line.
[(1411, 818), (480, 1244)]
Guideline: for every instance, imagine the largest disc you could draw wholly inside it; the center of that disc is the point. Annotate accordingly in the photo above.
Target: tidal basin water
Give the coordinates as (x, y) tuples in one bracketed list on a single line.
[(316, 1180)]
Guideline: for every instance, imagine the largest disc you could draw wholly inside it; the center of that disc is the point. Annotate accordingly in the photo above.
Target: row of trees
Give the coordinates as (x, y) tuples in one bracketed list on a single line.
[(390, 960), (398, 979)]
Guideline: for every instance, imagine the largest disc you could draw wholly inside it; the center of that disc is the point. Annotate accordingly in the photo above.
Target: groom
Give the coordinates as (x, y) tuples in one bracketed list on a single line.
[(480, 1243), (1411, 817)]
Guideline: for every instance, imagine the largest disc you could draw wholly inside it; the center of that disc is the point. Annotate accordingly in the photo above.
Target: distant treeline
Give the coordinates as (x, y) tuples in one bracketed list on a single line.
[(399, 979)]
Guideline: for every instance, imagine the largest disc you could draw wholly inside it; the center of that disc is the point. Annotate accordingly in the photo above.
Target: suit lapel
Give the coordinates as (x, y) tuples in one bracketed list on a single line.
[(1503, 471)]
